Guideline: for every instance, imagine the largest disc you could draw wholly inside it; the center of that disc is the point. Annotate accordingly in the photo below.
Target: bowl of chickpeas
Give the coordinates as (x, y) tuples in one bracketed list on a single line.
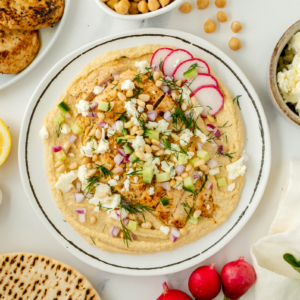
[(137, 9)]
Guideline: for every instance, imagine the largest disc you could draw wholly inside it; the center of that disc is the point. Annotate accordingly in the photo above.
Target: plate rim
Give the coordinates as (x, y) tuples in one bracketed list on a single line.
[(37, 60), (260, 182)]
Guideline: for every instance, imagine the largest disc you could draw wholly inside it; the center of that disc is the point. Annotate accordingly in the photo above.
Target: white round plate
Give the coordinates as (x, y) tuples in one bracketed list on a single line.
[(48, 37), (31, 154)]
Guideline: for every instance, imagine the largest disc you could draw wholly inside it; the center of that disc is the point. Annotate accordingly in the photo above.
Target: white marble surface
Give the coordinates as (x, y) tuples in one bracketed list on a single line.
[(264, 22)]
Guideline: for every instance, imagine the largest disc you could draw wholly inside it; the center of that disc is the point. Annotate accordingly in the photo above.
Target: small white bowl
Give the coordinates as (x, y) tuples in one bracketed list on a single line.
[(272, 86), (148, 15)]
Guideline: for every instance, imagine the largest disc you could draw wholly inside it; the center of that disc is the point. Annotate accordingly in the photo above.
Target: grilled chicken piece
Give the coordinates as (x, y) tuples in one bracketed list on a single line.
[(108, 158), (30, 14), (18, 49), (152, 200), (166, 104), (204, 202), (155, 94)]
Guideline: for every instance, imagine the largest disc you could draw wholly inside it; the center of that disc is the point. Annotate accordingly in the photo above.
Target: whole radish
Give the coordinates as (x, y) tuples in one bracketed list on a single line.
[(170, 294), (237, 278), (205, 283)]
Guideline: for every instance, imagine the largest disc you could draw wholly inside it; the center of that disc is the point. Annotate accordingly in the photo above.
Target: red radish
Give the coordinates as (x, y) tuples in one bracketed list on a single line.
[(210, 98), (158, 57), (169, 294), (237, 278), (205, 283), (201, 80), (173, 59), (184, 66)]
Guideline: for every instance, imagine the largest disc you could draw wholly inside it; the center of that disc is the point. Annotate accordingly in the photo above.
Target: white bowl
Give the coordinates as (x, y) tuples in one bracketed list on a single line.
[(148, 15)]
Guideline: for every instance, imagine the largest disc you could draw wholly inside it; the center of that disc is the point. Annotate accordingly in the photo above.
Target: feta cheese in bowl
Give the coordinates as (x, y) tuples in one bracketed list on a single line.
[(283, 78)]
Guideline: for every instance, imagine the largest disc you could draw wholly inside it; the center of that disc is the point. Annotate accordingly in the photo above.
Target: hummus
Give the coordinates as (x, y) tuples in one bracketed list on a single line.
[(129, 177)]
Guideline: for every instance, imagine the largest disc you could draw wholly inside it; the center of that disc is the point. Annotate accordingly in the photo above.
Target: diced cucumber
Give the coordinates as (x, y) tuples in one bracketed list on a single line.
[(164, 201), (203, 154), (182, 159), (127, 149), (153, 134), (222, 182), (192, 161), (103, 106), (193, 220), (61, 155), (188, 184), (124, 131), (162, 177), (63, 107), (77, 129), (189, 74), (58, 119), (147, 175), (132, 226), (121, 139), (133, 157)]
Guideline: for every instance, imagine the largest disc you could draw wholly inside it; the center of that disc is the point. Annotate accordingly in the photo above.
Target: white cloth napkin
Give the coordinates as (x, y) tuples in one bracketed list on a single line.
[(276, 279)]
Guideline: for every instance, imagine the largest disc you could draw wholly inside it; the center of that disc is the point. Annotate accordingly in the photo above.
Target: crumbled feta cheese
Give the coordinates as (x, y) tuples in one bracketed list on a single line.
[(168, 167), (107, 202), (119, 126), (65, 129), (164, 229), (140, 109), (136, 179), (44, 134), (138, 143), (173, 146), (118, 214), (141, 66), (89, 149), (82, 171), (185, 137), (231, 187), (114, 181), (190, 155), (214, 171), (151, 191), (236, 169), (83, 107), (130, 108), (197, 111), (135, 121), (178, 186), (177, 62), (110, 131), (127, 85), (65, 180), (186, 95), (133, 100), (151, 125), (162, 125), (201, 135), (129, 171), (102, 147), (98, 89), (126, 184)]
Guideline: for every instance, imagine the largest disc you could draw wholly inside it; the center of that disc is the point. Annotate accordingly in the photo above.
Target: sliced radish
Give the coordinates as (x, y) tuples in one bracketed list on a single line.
[(174, 59), (210, 98), (184, 66), (158, 57), (201, 80)]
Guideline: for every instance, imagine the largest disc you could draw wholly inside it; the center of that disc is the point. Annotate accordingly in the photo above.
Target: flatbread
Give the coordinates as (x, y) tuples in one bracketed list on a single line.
[(31, 276)]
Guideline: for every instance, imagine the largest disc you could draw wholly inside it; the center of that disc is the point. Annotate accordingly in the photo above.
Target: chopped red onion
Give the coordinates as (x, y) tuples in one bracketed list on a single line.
[(196, 176), (168, 116), (102, 124), (121, 151), (214, 144), (118, 170), (125, 221), (212, 163), (117, 213), (209, 185), (126, 159), (210, 127), (199, 146), (114, 126), (175, 232), (119, 159), (217, 134), (155, 68), (127, 203), (166, 185), (169, 93), (81, 211), (221, 149), (92, 115), (72, 138), (152, 115), (114, 231), (179, 169), (78, 197), (81, 218), (165, 88), (173, 238), (93, 105), (56, 148)]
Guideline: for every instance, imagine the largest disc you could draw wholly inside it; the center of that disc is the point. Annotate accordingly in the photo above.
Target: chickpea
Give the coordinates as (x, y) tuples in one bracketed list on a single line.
[(112, 3), (222, 17), (186, 7), (202, 4), (122, 7), (133, 9), (164, 3), (236, 26), (220, 3), (153, 5), (235, 44), (210, 26)]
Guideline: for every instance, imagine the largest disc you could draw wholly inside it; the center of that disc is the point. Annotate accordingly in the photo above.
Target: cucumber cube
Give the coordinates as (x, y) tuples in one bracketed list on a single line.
[(188, 184), (192, 161), (162, 177), (61, 155), (77, 129), (132, 226), (127, 149), (190, 73), (147, 175), (121, 139), (203, 154), (222, 182), (133, 157), (182, 159), (193, 220), (103, 106), (153, 134), (164, 201), (58, 119), (63, 107)]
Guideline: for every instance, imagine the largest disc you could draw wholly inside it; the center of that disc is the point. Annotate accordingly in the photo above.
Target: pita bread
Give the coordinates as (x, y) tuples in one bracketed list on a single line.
[(31, 276)]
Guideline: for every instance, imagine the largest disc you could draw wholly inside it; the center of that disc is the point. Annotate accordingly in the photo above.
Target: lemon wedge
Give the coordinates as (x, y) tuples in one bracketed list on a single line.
[(5, 142)]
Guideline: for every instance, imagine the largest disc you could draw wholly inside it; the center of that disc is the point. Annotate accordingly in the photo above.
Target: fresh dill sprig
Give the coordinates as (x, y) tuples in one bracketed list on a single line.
[(115, 84), (109, 107), (150, 75), (142, 119), (91, 182), (160, 65), (90, 138), (103, 228), (194, 66), (225, 125), (138, 78), (104, 172), (93, 240), (236, 99), (138, 92), (220, 152), (186, 207), (136, 172), (58, 131), (123, 116)]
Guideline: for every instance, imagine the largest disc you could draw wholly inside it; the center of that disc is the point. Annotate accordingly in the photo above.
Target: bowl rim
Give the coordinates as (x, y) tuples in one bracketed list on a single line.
[(284, 39), (137, 17)]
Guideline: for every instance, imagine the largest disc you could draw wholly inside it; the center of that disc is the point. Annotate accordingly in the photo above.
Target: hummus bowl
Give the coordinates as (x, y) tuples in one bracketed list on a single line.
[(34, 177)]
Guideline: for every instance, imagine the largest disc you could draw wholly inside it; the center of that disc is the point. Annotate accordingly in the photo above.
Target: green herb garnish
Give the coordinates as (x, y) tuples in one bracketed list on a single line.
[(58, 131), (236, 99), (292, 261), (103, 171), (93, 240)]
